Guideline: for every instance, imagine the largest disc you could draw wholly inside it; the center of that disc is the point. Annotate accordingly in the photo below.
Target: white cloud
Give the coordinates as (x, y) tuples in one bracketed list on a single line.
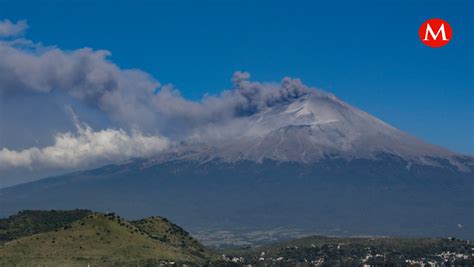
[(8, 28), (84, 149)]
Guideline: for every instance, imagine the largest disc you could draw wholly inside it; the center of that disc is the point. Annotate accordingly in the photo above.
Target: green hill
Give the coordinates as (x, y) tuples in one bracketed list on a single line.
[(161, 229), (31, 222), (99, 239)]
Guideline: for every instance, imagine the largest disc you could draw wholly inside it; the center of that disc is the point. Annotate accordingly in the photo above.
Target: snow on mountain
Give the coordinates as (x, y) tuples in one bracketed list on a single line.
[(311, 127)]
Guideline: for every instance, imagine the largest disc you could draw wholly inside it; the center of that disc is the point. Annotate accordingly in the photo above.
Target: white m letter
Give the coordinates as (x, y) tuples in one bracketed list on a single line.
[(433, 35)]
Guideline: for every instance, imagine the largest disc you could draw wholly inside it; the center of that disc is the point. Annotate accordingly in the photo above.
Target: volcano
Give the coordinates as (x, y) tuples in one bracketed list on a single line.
[(308, 161)]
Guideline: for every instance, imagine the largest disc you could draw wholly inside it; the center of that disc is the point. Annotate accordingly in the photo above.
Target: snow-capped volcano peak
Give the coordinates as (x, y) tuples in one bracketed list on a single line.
[(309, 111), (311, 127)]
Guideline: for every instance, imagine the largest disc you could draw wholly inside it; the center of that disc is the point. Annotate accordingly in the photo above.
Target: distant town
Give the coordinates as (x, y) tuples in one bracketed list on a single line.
[(360, 252)]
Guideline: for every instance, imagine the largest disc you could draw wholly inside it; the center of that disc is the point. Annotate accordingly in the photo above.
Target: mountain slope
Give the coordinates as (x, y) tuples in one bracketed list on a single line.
[(102, 239), (359, 197), (313, 127)]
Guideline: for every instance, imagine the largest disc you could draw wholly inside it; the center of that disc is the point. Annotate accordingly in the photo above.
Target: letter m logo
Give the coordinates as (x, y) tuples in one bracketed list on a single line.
[(435, 33), (429, 31)]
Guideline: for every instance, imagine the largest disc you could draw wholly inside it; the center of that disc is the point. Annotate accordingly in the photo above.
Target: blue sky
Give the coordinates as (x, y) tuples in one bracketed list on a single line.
[(368, 53)]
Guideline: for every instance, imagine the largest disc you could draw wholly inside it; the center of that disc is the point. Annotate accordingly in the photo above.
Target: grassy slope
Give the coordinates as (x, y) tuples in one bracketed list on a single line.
[(161, 229), (96, 239), (31, 222)]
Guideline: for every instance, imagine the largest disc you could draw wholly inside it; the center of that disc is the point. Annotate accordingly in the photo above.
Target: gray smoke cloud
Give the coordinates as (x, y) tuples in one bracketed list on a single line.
[(9, 28), (130, 97), (146, 116), (242, 100), (84, 73)]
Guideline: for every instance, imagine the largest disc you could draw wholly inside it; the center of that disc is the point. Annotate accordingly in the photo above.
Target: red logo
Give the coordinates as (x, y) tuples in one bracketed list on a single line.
[(435, 33)]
